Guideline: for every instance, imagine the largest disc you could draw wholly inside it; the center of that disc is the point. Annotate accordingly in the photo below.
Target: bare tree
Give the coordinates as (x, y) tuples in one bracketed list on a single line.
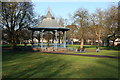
[(16, 16), (97, 26), (111, 23), (81, 18), (71, 34)]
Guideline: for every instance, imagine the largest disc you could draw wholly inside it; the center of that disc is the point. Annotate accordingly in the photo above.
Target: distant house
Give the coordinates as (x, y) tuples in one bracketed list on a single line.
[(117, 42)]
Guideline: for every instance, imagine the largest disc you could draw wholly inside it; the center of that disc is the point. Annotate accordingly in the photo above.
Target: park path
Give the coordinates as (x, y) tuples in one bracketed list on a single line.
[(100, 56)]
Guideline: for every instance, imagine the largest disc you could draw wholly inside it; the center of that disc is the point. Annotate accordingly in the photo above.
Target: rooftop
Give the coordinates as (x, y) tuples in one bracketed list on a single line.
[(49, 21)]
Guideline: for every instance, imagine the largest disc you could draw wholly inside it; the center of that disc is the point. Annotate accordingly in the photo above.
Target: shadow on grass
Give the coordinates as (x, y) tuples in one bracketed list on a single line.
[(111, 47), (12, 55), (39, 71), (105, 69), (109, 67), (38, 65), (45, 69)]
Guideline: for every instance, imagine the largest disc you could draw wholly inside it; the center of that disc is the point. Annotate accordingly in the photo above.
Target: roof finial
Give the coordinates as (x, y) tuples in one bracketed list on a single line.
[(49, 15), (48, 9)]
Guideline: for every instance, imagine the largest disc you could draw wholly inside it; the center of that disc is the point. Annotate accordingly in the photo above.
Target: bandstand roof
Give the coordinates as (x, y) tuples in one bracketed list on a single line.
[(49, 29), (49, 23)]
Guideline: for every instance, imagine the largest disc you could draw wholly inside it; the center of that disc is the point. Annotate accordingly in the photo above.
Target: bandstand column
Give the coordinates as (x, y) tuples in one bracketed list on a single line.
[(59, 37), (56, 38), (32, 38), (64, 39), (42, 38), (39, 38), (53, 38)]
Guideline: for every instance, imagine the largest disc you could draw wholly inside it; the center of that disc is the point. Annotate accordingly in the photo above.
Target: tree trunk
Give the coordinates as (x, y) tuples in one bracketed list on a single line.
[(14, 44), (113, 43), (48, 42), (14, 39), (94, 42), (103, 43), (82, 43), (107, 42), (59, 37), (98, 42), (53, 37)]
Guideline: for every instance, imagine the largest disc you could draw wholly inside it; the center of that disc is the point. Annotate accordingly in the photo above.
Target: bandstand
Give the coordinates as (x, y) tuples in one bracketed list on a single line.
[(50, 24)]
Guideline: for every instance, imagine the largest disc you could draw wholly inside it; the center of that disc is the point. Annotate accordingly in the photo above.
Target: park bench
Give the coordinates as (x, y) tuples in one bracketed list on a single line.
[(62, 49), (80, 50), (35, 49), (70, 49)]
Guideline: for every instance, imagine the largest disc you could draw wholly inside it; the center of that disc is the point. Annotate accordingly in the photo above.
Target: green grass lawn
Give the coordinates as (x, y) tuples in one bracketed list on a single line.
[(102, 53), (94, 47), (91, 50), (8, 45), (45, 65), (42, 65)]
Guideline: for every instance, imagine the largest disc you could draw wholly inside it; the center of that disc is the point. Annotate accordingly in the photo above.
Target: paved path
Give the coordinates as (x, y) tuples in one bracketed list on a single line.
[(101, 56)]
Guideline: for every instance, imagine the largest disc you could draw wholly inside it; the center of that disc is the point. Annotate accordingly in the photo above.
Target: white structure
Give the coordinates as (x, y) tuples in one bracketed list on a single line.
[(49, 23)]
